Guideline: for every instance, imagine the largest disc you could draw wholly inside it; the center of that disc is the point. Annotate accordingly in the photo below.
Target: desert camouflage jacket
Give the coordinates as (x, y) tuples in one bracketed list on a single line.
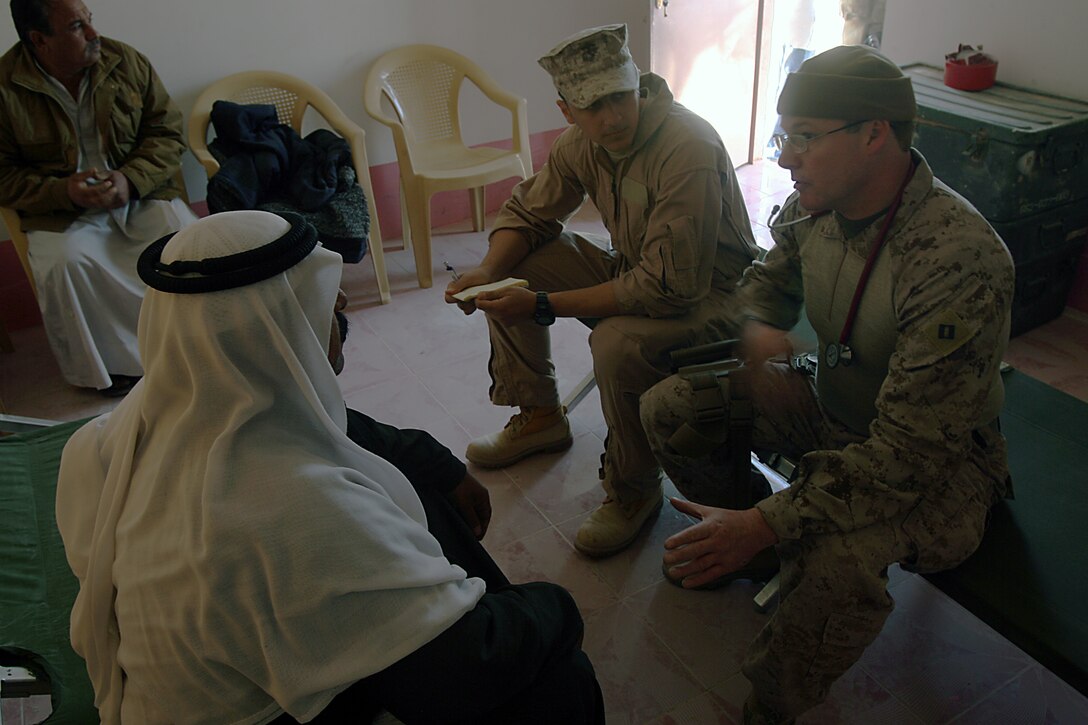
[(923, 390)]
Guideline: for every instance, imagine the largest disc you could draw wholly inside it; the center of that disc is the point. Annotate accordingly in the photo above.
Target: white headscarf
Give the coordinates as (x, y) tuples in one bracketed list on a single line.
[(237, 553)]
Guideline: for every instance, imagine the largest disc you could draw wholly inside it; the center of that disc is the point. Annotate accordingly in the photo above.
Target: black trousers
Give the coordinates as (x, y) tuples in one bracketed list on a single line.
[(516, 658)]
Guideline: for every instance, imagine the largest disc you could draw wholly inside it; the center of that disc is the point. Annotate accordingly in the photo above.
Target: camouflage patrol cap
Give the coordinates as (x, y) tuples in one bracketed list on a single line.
[(851, 83), (591, 64)]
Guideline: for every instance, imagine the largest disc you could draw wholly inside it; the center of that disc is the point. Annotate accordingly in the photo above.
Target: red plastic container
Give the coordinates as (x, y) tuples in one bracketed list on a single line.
[(977, 77)]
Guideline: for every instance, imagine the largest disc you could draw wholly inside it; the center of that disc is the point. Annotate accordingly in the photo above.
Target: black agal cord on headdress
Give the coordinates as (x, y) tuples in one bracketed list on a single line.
[(234, 270)]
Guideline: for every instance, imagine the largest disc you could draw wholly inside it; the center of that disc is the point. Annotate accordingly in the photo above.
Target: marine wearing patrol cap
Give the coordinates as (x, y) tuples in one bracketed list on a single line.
[(851, 83), (592, 63)]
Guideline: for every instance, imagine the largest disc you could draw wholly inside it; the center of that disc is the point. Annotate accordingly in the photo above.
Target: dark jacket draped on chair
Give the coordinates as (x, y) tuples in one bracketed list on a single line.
[(265, 164)]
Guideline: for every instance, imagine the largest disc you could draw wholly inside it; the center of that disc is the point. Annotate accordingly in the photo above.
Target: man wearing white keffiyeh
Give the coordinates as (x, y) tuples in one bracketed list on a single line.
[(241, 559)]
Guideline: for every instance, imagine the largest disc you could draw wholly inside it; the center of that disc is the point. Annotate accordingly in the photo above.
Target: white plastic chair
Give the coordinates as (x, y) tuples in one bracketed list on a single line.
[(422, 84), (19, 241), (291, 96)]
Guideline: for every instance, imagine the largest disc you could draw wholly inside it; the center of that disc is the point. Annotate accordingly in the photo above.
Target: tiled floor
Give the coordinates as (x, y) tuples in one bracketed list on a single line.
[(662, 655)]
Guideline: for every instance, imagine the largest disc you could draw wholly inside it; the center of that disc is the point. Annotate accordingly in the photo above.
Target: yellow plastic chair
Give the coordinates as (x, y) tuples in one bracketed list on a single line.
[(422, 84), (291, 96), (19, 241)]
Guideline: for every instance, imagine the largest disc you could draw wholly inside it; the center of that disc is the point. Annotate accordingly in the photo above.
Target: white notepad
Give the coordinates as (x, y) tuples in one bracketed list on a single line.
[(470, 293)]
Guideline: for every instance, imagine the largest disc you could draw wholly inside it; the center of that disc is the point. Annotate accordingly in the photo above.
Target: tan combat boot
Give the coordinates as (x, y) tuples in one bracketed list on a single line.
[(532, 430), (613, 526)]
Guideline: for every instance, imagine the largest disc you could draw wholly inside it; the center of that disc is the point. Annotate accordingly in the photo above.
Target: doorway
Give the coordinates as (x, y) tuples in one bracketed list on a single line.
[(707, 52), (726, 60)]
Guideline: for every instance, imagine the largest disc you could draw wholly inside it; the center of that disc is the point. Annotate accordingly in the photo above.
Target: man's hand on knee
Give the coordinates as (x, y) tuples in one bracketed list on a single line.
[(722, 542)]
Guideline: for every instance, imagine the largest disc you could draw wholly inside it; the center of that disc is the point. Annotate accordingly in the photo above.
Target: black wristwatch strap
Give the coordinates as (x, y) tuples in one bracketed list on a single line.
[(543, 314)]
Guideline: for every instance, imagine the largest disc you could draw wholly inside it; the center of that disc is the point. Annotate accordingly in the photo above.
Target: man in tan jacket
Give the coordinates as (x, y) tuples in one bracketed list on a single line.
[(679, 240), (89, 143)]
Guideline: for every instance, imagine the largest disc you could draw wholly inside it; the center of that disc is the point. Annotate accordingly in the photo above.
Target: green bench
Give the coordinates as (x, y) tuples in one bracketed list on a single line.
[(1029, 578), (37, 588)]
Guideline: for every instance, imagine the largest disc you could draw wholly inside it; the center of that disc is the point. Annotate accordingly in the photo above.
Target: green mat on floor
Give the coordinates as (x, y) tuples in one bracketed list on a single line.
[(37, 588), (1029, 578)]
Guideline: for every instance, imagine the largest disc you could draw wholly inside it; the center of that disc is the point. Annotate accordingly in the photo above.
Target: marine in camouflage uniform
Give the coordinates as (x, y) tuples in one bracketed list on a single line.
[(900, 454)]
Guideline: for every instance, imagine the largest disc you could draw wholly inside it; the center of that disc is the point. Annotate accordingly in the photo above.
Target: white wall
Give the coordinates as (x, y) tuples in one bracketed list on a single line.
[(332, 43), (1038, 44)]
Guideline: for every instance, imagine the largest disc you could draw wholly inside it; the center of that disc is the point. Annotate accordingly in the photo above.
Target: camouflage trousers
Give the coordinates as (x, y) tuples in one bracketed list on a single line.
[(787, 419), (630, 354), (833, 597)]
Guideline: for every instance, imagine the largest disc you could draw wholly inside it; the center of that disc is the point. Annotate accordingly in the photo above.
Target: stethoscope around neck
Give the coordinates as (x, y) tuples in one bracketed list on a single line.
[(772, 224), (840, 352)]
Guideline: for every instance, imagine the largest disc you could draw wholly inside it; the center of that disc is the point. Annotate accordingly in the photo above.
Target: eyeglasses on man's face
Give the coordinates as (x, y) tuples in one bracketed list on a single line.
[(799, 142)]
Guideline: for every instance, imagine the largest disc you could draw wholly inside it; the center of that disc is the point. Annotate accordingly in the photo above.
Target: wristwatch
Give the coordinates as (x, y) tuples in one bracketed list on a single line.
[(543, 314)]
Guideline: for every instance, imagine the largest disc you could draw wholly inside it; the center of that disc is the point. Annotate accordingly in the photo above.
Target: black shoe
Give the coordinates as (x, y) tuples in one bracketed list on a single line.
[(761, 568), (120, 386)]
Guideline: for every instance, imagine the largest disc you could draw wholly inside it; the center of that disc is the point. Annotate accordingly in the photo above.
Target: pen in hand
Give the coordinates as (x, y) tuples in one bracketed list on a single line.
[(451, 270)]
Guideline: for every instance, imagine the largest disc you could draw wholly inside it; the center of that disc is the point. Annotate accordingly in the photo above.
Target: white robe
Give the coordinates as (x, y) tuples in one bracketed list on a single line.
[(238, 556), (88, 290)]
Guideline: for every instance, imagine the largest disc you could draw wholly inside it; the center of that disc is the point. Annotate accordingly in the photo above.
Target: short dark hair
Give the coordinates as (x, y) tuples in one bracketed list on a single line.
[(904, 133), (30, 15)]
